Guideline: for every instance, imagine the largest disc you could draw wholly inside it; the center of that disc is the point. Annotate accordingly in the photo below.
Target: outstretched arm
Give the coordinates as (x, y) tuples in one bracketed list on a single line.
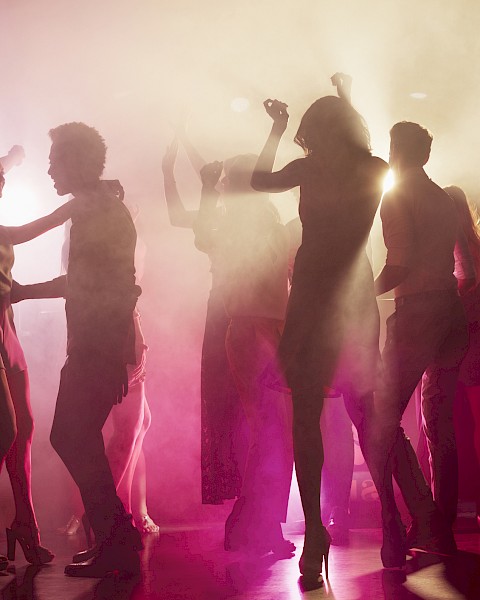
[(263, 180), (179, 216), (56, 288), (29, 231)]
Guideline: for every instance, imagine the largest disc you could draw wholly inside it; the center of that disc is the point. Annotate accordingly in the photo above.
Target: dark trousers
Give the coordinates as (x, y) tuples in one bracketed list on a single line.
[(427, 333), (85, 398)]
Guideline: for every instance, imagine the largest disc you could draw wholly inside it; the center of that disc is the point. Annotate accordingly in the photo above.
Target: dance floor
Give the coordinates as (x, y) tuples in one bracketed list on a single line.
[(189, 563)]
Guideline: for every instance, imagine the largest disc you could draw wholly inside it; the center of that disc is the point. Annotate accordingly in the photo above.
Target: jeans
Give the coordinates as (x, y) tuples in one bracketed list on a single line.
[(427, 333), (85, 397)]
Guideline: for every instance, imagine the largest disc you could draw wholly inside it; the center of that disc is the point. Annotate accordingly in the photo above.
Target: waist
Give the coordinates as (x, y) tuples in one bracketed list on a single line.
[(426, 296)]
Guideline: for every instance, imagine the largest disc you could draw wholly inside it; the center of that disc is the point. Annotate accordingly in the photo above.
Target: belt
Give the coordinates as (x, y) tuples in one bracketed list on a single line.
[(421, 296)]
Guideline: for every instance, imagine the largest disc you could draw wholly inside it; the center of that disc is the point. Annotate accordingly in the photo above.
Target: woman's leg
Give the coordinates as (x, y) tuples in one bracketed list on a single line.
[(19, 458), (337, 472), (138, 481), (308, 454), (8, 428), (122, 448)]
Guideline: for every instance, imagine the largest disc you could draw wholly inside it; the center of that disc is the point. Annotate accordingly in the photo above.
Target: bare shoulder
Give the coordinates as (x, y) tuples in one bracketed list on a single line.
[(378, 165)]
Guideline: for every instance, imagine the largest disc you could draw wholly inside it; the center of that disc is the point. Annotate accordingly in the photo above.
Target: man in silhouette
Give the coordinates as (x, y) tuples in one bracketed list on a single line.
[(100, 294), (426, 333)]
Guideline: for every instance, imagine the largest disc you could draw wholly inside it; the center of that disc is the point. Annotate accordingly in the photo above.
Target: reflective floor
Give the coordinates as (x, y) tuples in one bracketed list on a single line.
[(190, 564)]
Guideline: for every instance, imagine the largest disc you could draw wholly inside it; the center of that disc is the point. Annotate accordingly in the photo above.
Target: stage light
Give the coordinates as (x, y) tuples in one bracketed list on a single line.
[(19, 204), (418, 95), (240, 104), (389, 182)]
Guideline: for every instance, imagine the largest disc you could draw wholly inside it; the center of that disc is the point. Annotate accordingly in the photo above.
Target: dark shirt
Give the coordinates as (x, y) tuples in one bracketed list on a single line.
[(420, 229), (101, 292)]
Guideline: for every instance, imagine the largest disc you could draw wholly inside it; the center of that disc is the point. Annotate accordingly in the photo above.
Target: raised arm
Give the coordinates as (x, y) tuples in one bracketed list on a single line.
[(29, 231), (343, 83), (204, 227), (263, 180), (179, 216)]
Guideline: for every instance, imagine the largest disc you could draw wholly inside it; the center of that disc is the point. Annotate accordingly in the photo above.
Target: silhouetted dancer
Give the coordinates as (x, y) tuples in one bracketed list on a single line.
[(426, 333), (250, 247), (100, 294), (332, 326), (221, 450), (16, 419)]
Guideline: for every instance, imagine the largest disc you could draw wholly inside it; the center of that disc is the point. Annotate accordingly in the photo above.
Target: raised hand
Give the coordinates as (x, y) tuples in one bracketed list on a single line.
[(170, 156), (210, 173), (343, 83), (278, 111), (16, 154)]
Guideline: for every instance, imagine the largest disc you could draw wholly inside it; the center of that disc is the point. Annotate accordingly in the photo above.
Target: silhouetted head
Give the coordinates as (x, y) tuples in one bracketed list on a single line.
[(238, 173), (410, 145), (77, 157), (332, 127)]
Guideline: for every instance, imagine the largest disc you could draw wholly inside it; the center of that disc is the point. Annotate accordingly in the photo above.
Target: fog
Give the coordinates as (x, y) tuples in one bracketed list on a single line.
[(134, 70)]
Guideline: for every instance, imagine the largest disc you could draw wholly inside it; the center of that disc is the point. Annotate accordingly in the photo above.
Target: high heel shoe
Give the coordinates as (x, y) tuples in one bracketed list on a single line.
[(394, 547), (71, 528), (314, 555), (29, 541), (338, 527)]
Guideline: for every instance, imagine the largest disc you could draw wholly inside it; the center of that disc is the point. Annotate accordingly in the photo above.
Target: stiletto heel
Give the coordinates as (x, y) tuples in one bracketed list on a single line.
[(314, 556), (11, 539), (29, 542), (325, 558)]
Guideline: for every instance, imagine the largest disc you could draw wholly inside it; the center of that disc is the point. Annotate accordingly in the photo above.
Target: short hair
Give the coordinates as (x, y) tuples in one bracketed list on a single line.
[(331, 124), (412, 141), (86, 143)]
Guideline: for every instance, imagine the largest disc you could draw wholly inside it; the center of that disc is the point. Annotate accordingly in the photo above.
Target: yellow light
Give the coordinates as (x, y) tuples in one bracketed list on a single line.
[(389, 181)]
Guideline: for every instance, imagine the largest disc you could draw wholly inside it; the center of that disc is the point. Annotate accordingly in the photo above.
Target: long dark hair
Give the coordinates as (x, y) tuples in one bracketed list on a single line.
[(332, 128)]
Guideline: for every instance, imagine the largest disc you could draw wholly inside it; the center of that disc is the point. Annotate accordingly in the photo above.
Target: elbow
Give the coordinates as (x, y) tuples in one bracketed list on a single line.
[(256, 182)]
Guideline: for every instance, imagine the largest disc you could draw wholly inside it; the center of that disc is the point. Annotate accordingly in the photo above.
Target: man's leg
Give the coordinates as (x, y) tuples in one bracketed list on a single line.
[(83, 404), (438, 395)]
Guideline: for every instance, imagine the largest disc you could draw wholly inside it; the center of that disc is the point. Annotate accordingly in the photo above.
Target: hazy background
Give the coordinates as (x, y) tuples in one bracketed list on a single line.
[(132, 69)]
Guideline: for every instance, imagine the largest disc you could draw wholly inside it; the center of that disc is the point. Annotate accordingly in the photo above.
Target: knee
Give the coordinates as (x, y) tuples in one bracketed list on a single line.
[(25, 428), (61, 442), (147, 419), (123, 438), (8, 438)]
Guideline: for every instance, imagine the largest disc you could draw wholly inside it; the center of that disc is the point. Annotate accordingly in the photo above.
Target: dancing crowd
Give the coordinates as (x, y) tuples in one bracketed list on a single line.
[(292, 325)]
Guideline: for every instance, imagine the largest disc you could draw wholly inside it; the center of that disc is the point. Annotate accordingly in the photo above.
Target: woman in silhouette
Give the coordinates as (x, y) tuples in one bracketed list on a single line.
[(16, 419), (332, 326)]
